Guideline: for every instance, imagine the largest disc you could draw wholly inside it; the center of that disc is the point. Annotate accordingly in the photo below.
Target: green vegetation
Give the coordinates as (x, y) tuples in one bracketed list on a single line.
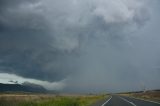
[(43, 100)]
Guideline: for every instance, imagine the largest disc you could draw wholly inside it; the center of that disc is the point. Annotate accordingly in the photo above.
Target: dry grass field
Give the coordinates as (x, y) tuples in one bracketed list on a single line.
[(48, 100)]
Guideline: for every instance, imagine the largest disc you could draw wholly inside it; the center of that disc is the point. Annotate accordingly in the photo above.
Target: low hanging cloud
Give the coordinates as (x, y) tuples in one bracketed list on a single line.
[(12, 79), (77, 41)]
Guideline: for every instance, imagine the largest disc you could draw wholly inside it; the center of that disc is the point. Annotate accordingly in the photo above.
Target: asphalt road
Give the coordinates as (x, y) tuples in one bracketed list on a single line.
[(115, 100)]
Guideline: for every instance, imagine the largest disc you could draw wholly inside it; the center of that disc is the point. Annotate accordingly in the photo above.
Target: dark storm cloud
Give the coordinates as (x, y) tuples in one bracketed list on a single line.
[(76, 40), (30, 54), (25, 44)]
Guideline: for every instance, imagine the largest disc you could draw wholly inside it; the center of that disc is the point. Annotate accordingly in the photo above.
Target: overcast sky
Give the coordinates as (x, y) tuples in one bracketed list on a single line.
[(81, 45)]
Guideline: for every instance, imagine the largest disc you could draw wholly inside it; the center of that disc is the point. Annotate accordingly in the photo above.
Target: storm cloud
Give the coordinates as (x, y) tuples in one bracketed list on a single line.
[(94, 45)]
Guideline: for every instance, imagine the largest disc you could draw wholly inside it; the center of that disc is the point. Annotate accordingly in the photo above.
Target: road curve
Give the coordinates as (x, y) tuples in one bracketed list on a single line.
[(115, 100)]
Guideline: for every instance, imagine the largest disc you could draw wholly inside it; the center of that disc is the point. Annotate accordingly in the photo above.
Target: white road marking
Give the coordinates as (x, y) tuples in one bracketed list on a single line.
[(128, 101), (107, 101), (145, 100)]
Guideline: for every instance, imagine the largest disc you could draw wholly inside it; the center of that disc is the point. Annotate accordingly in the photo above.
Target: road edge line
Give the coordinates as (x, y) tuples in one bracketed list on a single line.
[(144, 100), (106, 101), (128, 101)]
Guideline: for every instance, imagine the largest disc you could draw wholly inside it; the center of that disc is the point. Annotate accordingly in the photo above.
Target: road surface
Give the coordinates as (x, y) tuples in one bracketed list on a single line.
[(115, 100)]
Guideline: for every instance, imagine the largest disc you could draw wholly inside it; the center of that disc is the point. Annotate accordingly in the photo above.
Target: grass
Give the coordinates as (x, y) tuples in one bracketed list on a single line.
[(48, 100)]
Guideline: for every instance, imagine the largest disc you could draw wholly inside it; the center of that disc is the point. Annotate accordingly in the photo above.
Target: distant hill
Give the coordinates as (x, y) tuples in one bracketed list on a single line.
[(25, 87)]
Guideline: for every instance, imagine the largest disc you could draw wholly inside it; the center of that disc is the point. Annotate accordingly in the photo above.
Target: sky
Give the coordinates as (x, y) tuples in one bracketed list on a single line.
[(82, 46)]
